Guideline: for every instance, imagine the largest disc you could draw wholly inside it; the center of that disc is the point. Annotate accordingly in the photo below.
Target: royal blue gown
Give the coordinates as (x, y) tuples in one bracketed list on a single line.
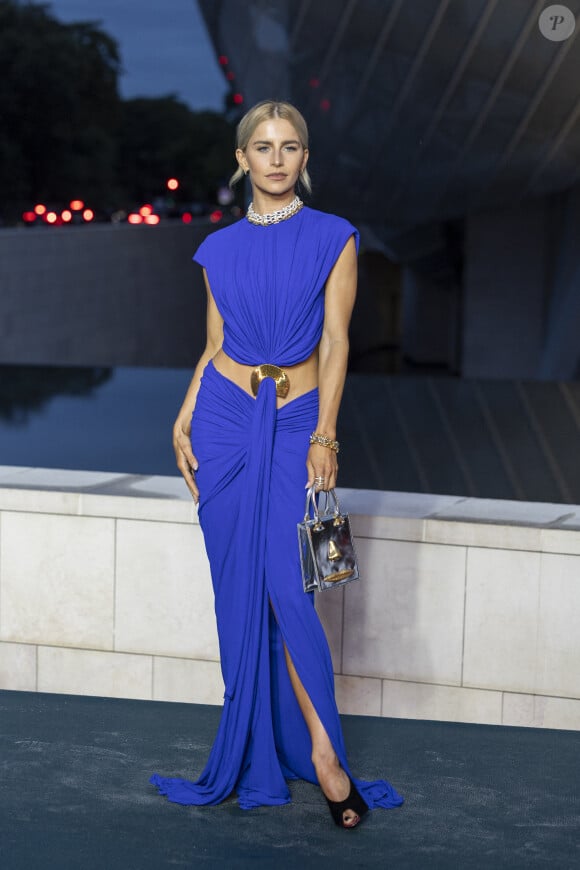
[(268, 284)]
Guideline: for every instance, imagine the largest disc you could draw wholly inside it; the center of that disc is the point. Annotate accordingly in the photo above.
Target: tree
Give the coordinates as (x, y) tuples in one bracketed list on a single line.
[(161, 137), (59, 108)]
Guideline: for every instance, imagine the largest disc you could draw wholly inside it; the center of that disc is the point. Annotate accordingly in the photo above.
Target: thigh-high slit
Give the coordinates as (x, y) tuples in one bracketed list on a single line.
[(251, 479)]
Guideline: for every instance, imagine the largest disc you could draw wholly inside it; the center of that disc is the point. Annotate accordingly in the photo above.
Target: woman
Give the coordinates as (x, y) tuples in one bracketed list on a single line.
[(281, 285)]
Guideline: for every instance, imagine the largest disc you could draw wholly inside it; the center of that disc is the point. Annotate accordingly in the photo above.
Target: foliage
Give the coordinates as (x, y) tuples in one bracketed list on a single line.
[(161, 137), (65, 133), (59, 106)]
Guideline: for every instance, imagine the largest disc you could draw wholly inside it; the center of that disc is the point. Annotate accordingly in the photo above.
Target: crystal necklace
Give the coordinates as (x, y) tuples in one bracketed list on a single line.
[(274, 217)]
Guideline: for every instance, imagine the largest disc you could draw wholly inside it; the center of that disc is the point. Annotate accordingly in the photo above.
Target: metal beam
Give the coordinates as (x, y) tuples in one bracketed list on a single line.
[(491, 100), (498, 443), (448, 94), (337, 38), (565, 129), (300, 18), (403, 94)]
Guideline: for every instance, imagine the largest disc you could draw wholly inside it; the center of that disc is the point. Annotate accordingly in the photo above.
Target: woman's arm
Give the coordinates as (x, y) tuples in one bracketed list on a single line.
[(186, 461), (332, 362)]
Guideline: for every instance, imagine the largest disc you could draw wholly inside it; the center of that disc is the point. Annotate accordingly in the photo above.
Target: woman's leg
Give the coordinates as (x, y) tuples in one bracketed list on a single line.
[(303, 682), (333, 780)]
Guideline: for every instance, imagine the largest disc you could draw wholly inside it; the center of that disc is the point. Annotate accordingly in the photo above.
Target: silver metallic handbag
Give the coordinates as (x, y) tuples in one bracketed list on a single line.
[(327, 554)]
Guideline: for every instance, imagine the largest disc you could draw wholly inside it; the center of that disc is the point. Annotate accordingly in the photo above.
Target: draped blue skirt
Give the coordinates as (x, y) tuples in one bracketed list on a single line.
[(251, 480)]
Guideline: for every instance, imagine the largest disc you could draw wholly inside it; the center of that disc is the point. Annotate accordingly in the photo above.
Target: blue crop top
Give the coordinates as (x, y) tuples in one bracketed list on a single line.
[(268, 283)]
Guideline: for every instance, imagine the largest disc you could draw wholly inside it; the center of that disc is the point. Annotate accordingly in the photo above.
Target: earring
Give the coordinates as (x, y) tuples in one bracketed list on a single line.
[(246, 171)]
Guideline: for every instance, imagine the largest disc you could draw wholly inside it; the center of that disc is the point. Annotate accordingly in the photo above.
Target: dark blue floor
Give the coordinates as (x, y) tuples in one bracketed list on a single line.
[(74, 794)]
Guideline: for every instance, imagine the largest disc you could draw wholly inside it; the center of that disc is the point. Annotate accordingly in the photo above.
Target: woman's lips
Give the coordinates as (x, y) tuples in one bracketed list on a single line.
[(276, 176)]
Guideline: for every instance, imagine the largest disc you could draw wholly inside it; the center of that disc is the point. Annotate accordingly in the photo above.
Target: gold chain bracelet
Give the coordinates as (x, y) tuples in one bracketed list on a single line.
[(324, 441)]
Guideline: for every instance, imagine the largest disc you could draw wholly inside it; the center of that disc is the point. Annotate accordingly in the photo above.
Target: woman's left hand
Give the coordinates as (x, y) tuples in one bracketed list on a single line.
[(322, 462)]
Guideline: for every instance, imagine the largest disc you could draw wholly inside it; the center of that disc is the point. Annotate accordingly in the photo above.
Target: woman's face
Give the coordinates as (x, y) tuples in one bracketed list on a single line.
[(274, 157)]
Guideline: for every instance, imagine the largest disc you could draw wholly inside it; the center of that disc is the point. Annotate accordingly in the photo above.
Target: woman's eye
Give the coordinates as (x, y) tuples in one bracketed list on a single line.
[(262, 148), (291, 148)]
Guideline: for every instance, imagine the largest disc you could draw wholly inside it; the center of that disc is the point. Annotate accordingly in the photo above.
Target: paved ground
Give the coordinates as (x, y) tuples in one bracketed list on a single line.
[(74, 794)]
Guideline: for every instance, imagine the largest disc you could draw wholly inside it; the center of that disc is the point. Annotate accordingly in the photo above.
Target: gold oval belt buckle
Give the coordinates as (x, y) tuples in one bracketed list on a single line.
[(277, 374)]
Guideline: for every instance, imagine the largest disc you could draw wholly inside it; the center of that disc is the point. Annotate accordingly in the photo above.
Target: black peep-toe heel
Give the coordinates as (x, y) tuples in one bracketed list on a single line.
[(353, 802)]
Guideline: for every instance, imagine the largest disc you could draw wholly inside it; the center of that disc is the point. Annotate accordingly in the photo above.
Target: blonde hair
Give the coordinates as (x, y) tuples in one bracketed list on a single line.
[(265, 111)]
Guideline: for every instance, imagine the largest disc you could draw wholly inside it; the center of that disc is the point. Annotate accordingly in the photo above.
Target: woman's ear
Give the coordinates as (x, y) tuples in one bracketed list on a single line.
[(242, 162)]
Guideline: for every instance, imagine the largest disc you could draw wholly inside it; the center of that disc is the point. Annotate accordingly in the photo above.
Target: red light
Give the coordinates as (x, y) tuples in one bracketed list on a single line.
[(230, 76), (146, 210), (216, 216), (152, 219), (135, 218), (40, 209), (186, 217), (223, 60), (172, 183), (66, 216), (29, 217), (238, 99), (314, 82), (88, 215), (51, 217), (76, 205), (325, 105)]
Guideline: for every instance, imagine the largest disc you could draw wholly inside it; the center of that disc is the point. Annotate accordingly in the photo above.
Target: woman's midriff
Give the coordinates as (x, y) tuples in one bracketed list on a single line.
[(303, 377)]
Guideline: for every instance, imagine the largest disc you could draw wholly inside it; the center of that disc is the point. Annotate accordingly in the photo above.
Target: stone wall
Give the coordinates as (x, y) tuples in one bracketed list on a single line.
[(102, 295), (467, 610)]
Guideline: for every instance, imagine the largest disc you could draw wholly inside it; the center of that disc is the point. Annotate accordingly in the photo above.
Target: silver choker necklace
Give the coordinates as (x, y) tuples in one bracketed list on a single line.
[(274, 217)]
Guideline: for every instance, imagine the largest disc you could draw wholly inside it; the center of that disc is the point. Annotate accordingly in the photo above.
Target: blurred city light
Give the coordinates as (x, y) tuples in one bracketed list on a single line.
[(225, 195), (325, 105), (29, 217), (172, 183), (51, 217), (152, 219), (146, 210), (88, 215), (76, 205), (223, 60), (66, 215), (135, 218), (216, 216), (187, 217), (40, 209), (238, 99)]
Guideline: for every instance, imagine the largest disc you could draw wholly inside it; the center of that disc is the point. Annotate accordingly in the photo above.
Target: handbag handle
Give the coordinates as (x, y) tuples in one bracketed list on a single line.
[(311, 499)]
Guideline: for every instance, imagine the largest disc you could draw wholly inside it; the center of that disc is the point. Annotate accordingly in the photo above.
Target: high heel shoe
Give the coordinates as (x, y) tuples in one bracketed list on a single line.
[(353, 802)]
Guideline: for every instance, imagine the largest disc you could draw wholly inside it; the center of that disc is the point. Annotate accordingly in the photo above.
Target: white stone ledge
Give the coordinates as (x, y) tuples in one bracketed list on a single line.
[(96, 494), (401, 516)]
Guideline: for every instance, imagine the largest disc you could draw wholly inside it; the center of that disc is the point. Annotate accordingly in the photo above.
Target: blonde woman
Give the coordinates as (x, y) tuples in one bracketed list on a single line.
[(257, 425)]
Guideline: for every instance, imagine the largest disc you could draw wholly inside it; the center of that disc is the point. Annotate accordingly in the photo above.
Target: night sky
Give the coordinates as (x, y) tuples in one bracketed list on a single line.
[(164, 47)]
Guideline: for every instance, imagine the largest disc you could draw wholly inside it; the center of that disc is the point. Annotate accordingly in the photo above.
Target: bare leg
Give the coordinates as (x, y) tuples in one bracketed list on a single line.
[(332, 778)]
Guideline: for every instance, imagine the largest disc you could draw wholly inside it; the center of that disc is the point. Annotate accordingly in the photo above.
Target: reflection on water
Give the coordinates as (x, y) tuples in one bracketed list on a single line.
[(24, 389), (409, 434), (95, 419)]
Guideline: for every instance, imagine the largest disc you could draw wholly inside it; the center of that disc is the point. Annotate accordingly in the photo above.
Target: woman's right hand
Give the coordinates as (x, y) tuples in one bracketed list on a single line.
[(186, 461)]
